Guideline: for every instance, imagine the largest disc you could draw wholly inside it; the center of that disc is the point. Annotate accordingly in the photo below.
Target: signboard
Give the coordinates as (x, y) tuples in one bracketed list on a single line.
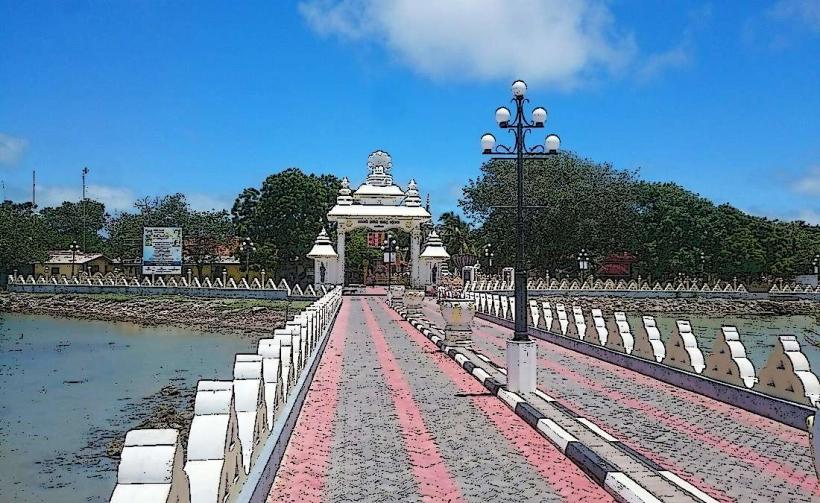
[(389, 257), (162, 250), (377, 223), (376, 239)]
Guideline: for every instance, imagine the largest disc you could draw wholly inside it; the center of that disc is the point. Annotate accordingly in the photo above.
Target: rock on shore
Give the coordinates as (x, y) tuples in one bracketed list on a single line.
[(246, 316)]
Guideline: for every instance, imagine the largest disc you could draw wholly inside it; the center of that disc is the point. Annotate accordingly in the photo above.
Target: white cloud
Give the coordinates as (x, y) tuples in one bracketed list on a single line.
[(114, 198), (808, 183), (805, 11), (11, 149), (549, 41), (118, 198)]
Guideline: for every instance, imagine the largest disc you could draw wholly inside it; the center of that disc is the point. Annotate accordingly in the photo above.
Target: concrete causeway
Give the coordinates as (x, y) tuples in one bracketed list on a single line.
[(726, 452), (390, 418)]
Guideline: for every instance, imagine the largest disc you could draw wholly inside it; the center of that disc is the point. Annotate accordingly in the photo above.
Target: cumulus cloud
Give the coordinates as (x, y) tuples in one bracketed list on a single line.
[(11, 149), (804, 11), (114, 198), (118, 198), (808, 183), (551, 41)]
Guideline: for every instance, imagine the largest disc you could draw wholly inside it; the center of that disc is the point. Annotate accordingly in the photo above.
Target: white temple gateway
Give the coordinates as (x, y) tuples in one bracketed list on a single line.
[(378, 204)]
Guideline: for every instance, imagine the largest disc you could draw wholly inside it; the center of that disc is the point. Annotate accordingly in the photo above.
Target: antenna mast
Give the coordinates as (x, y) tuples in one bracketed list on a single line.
[(85, 173)]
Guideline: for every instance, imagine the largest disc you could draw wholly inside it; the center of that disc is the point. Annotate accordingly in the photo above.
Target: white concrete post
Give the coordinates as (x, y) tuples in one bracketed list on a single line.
[(340, 251), (415, 250), (522, 363)]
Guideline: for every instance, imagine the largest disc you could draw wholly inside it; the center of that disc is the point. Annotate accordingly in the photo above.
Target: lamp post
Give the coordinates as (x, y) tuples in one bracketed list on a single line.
[(489, 254), (583, 263), (389, 247), (74, 247), (816, 263), (702, 266), (247, 247), (521, 356)]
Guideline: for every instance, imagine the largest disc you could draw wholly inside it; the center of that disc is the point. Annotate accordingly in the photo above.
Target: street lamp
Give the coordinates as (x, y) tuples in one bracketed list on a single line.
[(521, 353), (74, 247), (389, 247), (247, 247), (816, 263), (520, 126), (489, 254), (702, 266), (583, 263)]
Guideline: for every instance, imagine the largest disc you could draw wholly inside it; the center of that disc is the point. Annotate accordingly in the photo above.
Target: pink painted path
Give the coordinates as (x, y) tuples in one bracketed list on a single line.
[(727, 452), (304, 465), (388, 418), (569, 481)]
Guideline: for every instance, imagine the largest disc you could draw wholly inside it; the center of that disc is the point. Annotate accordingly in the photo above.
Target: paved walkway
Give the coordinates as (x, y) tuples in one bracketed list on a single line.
[(728, 453), (389, 418)]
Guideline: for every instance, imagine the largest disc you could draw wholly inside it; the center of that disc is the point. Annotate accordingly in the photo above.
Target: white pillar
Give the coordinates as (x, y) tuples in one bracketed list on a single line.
[(340, 251), (415, 250), (522, 364)]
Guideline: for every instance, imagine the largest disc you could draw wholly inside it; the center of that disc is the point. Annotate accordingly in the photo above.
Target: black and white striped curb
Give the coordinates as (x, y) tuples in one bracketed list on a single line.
[(604, 473)]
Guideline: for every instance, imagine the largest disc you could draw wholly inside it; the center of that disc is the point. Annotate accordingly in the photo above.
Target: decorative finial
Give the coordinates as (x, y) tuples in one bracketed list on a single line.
[(379, 164), (344, 198), (411, 197)]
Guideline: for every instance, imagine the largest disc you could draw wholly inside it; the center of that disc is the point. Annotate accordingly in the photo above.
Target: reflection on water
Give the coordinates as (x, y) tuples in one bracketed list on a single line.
[(63, 380), (758, 333)]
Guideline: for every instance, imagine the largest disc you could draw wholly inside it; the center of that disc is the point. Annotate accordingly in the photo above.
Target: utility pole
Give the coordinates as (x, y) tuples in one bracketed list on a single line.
[(33, 189), (85, 173)]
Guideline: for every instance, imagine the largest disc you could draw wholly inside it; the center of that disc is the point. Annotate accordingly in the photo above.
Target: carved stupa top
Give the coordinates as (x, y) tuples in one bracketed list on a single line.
[(379, 165)]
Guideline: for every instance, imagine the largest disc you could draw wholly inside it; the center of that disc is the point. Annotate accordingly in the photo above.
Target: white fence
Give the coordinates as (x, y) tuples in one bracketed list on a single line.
[(232, 420)]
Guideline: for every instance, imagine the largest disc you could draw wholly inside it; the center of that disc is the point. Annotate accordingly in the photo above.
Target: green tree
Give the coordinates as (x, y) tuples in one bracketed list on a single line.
[(456, 234), (23, 237), (574, 203), (204, 233), (284, 217), (82, 221)]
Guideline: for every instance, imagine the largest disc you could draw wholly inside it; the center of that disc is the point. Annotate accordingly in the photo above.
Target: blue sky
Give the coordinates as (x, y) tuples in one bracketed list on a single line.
[(207, 98)]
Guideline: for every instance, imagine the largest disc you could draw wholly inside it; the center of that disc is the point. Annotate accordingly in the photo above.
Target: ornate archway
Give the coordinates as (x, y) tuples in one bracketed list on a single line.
[(377, 204)]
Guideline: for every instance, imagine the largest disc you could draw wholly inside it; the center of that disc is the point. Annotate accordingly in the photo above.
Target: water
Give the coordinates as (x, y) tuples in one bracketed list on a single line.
[(61, 379), (758, 333)]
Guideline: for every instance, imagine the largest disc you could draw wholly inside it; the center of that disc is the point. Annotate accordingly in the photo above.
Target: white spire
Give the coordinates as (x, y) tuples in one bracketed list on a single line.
[(344, 198), (412, 195), (322, 247)]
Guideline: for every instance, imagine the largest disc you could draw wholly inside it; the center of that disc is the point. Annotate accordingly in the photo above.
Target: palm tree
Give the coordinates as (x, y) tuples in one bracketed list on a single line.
[(455, 233)]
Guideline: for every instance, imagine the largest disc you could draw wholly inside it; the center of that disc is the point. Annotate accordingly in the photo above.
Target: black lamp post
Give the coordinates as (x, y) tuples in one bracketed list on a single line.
[(816, 263), (702, 266), (583, 263), (389, 247), (247, 247), (489, 254), (74, 247), (520, 126)]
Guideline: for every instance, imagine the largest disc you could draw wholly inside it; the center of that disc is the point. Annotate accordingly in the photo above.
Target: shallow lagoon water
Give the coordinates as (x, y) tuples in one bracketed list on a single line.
[(758, 333), (61, 380)]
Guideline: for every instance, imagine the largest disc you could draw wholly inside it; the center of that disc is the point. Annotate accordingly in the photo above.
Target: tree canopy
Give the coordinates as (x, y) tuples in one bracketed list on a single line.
[(285, 216), (576, 203)]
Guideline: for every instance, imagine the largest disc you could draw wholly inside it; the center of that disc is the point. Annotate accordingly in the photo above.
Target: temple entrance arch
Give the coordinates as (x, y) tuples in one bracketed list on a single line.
[(378, 204)]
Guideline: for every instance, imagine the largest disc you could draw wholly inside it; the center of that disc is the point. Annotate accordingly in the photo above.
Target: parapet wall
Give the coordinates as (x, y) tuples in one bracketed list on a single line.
[(785, 389), (240, 427), (639, 289), (172, 286)]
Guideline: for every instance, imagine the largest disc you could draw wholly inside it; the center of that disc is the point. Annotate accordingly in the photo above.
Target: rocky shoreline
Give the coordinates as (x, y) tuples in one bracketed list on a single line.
[(704, 307), (242, 316)]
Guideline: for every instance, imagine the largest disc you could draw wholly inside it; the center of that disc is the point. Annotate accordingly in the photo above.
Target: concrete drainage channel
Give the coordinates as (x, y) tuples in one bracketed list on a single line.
[(624, 473)]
